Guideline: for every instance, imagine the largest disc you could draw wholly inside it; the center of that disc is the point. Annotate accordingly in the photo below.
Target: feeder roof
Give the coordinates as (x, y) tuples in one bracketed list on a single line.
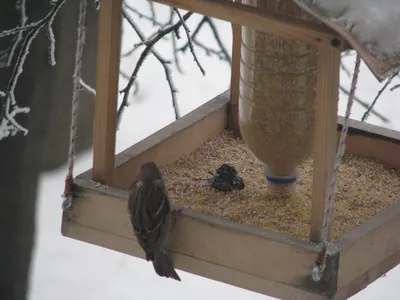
[(371, 27)]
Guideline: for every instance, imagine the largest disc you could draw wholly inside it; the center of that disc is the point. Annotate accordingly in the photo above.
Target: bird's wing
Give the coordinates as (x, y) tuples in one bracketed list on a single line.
[(158, 206), (136, 207), (135, 203)]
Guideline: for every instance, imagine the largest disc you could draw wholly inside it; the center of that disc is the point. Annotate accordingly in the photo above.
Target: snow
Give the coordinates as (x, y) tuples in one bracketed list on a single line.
[(66, 269), (374, 23)]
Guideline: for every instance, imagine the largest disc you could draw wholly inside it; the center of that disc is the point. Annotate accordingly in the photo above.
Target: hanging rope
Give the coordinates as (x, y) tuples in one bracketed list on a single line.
[(68, 195), (320, 264)]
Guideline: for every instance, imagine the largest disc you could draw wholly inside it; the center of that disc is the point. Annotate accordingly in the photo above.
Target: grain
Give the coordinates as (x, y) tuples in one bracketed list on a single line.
[(365, 187)]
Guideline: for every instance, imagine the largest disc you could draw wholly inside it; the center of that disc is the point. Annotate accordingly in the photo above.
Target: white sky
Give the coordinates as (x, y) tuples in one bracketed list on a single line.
[(66, 269)]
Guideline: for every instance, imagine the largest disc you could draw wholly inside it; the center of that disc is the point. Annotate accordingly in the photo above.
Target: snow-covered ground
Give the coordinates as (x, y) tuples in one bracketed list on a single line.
[(65, 269)]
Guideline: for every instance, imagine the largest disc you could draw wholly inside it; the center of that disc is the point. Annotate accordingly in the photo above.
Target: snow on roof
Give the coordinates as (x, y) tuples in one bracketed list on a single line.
[(372, 27)]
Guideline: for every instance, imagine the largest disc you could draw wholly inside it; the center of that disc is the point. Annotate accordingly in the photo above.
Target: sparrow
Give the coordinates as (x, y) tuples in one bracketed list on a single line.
[(150, 214)]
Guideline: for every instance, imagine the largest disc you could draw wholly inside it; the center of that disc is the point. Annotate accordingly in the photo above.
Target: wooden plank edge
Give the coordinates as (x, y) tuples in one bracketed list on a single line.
[(189, 264), (366, 140), (163, 134), (294, 254), (198, 114), (362, 281), (207, 219), (370, 131), (357, 245), (318, 35)]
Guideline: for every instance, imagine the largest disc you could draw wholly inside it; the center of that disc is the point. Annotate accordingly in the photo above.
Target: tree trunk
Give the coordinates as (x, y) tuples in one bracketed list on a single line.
[(47, 91)]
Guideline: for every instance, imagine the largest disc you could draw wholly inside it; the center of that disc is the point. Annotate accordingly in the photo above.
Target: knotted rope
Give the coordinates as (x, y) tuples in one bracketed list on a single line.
[(68, 194)]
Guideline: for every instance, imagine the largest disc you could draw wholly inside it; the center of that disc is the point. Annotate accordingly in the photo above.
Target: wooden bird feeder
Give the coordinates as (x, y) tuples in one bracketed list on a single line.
[(245, 256)]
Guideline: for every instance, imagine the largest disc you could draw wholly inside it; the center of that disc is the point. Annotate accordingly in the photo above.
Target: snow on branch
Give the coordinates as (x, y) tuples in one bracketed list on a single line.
[(9, 107), (8, 55)]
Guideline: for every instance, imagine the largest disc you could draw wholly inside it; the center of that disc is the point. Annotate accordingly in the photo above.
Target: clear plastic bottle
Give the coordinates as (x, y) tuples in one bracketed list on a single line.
[(277, 99)]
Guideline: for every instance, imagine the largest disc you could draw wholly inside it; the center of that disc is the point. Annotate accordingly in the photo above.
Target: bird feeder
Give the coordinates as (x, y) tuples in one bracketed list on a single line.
[(283, 97)]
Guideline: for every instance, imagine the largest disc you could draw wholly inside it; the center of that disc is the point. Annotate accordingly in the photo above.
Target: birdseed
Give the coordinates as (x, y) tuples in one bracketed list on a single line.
[(365, 186)]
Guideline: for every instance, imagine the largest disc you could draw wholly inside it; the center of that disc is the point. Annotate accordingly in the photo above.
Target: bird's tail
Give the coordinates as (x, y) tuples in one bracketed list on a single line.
[(163, 266)]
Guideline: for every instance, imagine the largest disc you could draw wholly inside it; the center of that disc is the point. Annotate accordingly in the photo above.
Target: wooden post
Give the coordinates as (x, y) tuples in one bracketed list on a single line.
[(235, 78), (105, 111), (325, 135)]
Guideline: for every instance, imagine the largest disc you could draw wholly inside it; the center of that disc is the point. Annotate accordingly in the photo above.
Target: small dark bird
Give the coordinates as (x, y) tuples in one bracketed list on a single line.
[(150, 213), (226, 179)]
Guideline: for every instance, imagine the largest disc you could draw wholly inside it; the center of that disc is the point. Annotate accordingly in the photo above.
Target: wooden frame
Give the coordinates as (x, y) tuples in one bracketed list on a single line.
[(275, 264), (309, 33), (248, 257)]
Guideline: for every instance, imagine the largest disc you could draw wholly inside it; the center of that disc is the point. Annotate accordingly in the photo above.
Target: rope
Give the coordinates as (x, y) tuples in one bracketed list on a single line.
[(68, 195), (320, 264)]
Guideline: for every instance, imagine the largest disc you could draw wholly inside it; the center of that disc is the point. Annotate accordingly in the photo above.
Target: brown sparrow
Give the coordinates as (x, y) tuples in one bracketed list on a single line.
[(150, 213)]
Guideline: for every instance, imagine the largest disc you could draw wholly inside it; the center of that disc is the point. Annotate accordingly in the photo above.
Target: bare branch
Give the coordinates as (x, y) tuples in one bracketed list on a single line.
[(366, 114), (165, 63), (365, 105), (149, 49), (345, 69), (87, 87), (9, 126), (190, 42), (222, 54), (153, 12), (9, 53), (140, 15)]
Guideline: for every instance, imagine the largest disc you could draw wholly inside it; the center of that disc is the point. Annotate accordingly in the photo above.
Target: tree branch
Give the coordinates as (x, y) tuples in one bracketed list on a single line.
[(165, 63), (149, 47)]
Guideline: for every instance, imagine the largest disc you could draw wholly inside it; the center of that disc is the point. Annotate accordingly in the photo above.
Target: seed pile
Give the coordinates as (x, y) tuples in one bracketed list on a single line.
[(365, 187)]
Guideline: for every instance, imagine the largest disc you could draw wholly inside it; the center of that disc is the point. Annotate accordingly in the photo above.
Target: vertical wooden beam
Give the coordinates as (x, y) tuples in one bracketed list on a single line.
[(325, 135), (105, 111), (235, 77)]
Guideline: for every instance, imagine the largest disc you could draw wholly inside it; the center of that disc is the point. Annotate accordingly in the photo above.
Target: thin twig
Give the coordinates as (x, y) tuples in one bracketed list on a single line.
[(366, 114), (9, 54), (174, 43), (87, 87), (365, 105), (218, 39), (345, 69), (395, 87), (210, 51), (9, 105), (153, 12), (149, 46), (165, 63), (143, 16), (135, 85), (187, 31), (213, 27)]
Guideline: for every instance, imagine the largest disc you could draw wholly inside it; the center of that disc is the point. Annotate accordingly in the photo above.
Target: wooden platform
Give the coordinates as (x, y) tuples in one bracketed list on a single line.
[(237, 254)]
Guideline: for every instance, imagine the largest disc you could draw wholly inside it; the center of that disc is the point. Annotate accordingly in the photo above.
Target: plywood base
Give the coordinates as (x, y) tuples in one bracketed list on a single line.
[(244, 256)]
